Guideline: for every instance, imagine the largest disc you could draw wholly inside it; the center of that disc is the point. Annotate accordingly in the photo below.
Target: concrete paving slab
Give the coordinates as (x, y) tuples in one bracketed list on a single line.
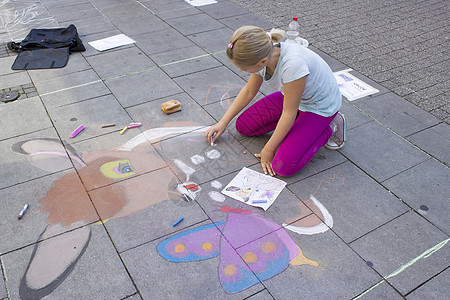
[(397, 251), (212, 41), (106, 3), (380, 291), (338, 273), (223, 58), (190, 279), (155, 220), (14, 158), (74, 12), (87, 259), (171, 9), (5, 66), (142, 87), (151, 115), (435, 141), (235, 22), (353, 115), (3, 294), (139, 25), (185, 61), (205, 88), (41, 195), (90, 26), (14, 79), (126, 11), (91, 114), (261, 295), (379, 152), (223, 9), (425, 188), (72, 88), (398, 114), (357, 203), (170, 37), (198, 161), (76, 63), (334, 64), (22, 117), (194, 24), (436, 288), (66, 81), (120, 62)]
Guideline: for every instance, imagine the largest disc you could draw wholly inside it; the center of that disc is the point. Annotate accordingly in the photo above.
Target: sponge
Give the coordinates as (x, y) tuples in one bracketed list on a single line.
[(171, 106)]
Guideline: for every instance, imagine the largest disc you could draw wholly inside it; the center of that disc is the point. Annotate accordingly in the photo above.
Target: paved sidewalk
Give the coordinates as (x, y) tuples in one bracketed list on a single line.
[(369, 221), (402, 45)]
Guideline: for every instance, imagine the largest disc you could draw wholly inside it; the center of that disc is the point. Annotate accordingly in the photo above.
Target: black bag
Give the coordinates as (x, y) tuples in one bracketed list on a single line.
[(46, 48), (50, 38)]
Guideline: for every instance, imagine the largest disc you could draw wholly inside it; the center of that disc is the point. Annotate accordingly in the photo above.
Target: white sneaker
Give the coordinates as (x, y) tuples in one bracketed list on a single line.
[(339, 137)]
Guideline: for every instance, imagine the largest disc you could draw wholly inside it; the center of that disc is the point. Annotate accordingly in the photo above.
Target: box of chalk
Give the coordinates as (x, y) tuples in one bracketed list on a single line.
[(171, 106)]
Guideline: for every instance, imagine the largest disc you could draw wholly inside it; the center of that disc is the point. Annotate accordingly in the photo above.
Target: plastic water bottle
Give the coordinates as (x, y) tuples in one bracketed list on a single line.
[(293, 30)]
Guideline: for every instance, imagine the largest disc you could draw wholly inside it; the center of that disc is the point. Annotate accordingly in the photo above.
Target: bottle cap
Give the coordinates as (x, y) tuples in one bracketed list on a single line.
[(295, 18)]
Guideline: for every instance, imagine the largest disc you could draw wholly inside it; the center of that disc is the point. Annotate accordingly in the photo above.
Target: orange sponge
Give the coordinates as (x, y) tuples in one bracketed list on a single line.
[(171, 106)]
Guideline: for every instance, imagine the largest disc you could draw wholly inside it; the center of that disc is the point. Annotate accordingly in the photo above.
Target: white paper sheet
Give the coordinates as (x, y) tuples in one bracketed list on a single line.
[(351, 87), (254, 188), (200, 2), (112, 42)]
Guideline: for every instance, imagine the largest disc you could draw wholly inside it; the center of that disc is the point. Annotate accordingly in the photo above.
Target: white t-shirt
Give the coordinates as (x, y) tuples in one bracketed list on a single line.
[(321, 94)]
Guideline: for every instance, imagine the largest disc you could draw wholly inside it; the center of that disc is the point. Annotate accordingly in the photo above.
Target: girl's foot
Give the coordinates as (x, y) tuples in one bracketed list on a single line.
[(339, 127)]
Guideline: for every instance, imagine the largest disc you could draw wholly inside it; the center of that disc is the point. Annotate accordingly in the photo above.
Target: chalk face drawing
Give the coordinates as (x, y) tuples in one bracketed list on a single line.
[(68, 206), (265, 249)]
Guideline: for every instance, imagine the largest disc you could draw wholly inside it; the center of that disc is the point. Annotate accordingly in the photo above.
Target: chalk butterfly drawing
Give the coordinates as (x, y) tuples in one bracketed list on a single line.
[(272, 251)]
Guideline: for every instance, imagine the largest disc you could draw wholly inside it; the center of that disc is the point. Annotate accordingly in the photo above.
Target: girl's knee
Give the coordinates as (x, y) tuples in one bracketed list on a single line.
[(287, 169), (242, 127)]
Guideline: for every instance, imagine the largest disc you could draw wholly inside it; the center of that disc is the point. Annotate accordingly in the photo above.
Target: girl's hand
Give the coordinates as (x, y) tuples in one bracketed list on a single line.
[(213, 133), (266, 161)]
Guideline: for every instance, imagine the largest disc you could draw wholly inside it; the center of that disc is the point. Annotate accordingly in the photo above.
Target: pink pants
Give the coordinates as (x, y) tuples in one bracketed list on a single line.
[(308, 134)]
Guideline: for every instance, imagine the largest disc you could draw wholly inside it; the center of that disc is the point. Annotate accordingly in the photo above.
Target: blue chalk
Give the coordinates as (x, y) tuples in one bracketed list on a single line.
[(259, 201), (177, 222)]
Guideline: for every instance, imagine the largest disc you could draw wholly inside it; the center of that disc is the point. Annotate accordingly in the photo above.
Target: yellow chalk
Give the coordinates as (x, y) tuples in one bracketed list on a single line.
[(124, 129)]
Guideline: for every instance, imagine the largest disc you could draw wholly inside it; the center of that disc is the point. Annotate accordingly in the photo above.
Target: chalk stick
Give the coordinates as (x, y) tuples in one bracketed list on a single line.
[(177, 222), (259, 201), (134, 125), (76, 131), (124, 129), (108, 125)]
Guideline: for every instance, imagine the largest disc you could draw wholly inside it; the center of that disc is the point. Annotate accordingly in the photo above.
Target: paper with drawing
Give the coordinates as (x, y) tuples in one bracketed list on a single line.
[(254, 188)]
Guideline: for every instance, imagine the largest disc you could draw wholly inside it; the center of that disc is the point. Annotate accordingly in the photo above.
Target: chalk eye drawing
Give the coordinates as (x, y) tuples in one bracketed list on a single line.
[(117, 169), (265, 250)]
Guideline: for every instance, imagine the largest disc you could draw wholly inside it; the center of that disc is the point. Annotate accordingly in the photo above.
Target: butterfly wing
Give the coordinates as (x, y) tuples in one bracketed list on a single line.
[(196, 244), (265, 250)]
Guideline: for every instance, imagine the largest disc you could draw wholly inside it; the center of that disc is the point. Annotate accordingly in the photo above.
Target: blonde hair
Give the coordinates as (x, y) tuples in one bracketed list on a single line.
[(249, 44)]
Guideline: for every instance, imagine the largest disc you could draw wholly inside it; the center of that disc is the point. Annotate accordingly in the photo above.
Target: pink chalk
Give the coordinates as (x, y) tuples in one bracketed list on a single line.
[(134, 125), (76, 131)]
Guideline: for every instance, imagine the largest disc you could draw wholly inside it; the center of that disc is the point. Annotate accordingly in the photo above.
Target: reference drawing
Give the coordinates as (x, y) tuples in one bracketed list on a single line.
[(254, 188)]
